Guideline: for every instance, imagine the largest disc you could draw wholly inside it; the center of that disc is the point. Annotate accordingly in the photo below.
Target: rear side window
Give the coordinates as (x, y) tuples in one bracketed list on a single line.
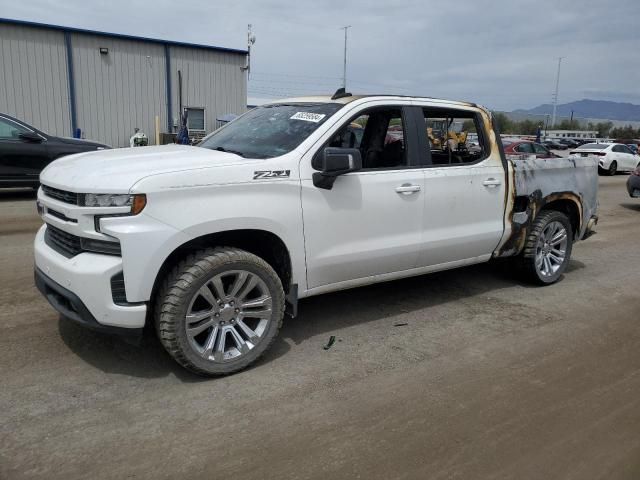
[(449, 134), (10, 130)]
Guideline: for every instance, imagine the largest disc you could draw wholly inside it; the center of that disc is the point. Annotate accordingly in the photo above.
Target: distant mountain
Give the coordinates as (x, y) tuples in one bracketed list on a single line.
[(590, 109)]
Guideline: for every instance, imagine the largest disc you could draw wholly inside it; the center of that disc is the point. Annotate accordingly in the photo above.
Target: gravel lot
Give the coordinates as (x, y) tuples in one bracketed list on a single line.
[(489, 378)]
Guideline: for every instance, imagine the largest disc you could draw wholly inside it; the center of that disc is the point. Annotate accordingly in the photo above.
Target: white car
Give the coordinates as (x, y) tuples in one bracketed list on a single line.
[(612, 157), (212, 244)]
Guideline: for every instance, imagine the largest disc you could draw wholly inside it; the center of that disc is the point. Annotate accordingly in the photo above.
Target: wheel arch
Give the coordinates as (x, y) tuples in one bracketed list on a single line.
[(527, 208), (263, 243), (569, 204)]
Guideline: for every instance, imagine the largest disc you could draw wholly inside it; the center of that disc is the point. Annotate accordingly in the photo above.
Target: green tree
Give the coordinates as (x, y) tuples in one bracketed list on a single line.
[(603, 128), (505, 125), (626, 132)]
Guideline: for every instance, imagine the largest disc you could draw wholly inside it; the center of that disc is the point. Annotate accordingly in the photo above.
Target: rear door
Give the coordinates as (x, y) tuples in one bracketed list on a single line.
[(371, 222), (541, 151), (464, 191), (20, 160)]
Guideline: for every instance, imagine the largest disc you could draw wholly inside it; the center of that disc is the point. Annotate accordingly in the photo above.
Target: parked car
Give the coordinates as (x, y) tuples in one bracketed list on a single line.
[(633, 183), (555, 145), (570, 143), (612, 157), (524, 147), (213, 244), (25, 151)]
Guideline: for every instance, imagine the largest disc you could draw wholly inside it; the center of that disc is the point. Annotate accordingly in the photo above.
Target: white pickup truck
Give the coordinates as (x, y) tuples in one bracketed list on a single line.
[(213, 244)]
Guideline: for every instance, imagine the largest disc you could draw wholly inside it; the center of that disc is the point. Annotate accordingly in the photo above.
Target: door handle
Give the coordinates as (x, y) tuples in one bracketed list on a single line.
[(407, 189), (491, 182)]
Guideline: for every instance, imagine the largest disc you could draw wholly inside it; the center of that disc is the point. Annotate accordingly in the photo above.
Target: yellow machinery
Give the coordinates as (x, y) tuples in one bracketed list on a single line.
[(445, 135)]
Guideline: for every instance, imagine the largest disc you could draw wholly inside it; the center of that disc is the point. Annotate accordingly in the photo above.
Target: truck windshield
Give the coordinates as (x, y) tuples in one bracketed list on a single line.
[(270, 130)]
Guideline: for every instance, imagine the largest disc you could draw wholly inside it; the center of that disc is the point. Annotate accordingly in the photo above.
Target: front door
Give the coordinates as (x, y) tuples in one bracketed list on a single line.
[(371, 221), (21, 160)]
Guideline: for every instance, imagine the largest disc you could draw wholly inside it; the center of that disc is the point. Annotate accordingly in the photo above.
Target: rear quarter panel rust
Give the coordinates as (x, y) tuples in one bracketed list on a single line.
[(540, 182)]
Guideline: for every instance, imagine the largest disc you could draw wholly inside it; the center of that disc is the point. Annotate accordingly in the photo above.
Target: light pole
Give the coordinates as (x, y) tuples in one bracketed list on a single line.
[(344, 66), (555, 95)]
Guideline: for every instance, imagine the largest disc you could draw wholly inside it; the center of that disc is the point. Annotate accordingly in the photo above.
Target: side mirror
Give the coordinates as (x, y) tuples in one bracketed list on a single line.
[(336, 162), (30, 137)]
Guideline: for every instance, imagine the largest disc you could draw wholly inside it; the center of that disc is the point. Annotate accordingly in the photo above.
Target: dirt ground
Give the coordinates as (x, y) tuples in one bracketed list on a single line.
[(489, 378)]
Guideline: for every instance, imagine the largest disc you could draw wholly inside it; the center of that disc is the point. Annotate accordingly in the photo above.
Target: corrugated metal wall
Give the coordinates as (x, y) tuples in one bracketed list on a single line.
[(210, 79), (120, 90), (115, 92), (33, 78)]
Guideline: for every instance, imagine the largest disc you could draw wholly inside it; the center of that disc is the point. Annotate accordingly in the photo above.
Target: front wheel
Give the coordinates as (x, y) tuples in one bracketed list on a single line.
[(548, 248), (219, 310)]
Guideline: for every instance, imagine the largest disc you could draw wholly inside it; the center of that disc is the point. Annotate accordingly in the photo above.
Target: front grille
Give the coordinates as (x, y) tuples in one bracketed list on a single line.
[(62, 242), (117, 289), (62, 195), (71, 245)]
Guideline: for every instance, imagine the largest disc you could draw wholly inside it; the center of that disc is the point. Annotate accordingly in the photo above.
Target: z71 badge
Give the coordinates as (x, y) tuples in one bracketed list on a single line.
[(260, 174)]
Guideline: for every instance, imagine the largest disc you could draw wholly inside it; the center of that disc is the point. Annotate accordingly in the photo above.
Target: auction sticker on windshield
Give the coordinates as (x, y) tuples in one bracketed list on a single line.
[(308, 116)]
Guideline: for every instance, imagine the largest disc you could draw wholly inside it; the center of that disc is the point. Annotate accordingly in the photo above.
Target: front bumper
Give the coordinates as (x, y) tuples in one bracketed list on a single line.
[(80, 287), (633, 186), (72, 308)]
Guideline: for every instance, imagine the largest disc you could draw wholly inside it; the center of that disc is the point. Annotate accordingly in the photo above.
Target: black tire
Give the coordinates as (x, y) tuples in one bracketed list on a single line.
[(613, 168), (527, 259), (178, 290)]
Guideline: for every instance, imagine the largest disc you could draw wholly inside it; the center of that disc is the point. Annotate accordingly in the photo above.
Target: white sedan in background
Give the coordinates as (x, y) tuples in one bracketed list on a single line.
[(612, 157)]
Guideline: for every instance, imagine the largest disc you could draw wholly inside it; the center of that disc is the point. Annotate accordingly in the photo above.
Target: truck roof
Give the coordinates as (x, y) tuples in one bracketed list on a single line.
[(347, 98)]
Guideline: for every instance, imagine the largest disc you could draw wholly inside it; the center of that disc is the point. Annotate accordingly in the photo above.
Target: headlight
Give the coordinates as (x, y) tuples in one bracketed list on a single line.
[(106, 200), (136, 202)]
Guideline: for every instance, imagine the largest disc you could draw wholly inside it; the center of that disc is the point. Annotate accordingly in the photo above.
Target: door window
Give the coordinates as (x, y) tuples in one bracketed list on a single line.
[(10, 130), (449, 133), (625, 149), (379, 134), (540, 150), (524, 148)]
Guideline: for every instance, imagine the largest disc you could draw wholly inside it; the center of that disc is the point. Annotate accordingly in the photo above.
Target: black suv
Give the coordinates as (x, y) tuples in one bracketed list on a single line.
[(25, 151)]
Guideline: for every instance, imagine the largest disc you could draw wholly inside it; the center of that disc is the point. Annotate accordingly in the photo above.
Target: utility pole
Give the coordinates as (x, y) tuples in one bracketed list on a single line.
[(251, 39), (344, 67), (555, 95)]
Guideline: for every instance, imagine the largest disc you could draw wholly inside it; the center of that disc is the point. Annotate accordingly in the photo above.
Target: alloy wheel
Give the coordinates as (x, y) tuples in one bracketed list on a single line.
[(551, 249), (228, 316)]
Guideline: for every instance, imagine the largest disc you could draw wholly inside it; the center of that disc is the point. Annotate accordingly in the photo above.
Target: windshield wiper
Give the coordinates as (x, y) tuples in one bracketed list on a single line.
[(222, 149)]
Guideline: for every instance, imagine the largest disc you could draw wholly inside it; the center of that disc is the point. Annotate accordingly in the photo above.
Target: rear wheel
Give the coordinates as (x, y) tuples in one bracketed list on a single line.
[(547, 249), (613, 168), (219, 310)]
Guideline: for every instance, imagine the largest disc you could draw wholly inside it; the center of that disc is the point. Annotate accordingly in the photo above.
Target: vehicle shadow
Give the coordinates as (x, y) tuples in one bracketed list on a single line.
[(13, 194), (317, 316), (631, 206), (145, 358), (335, 311)]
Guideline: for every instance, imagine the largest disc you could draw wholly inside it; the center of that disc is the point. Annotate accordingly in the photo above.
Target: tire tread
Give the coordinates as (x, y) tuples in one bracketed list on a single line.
[(175, 287)]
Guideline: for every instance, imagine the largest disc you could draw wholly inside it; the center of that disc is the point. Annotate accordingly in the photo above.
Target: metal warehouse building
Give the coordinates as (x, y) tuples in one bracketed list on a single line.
[(62, 79)]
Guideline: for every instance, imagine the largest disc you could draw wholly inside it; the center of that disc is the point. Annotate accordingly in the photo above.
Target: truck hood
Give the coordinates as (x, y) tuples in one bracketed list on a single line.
[(117, 170)]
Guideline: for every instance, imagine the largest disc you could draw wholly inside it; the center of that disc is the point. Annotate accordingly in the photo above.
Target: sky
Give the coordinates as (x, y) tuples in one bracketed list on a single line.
[(503, 55)]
